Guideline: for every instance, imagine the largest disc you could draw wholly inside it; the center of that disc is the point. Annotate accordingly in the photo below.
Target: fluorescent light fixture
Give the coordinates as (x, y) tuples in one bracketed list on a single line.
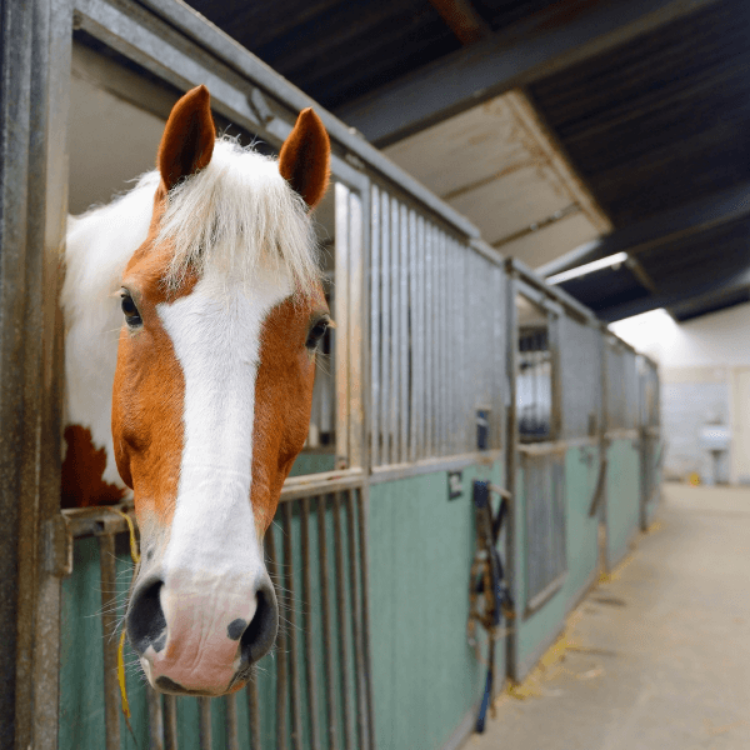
[(597, 265)]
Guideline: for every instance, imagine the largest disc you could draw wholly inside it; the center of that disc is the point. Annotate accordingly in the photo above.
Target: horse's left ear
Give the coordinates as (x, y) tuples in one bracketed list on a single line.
[(305, 158), (188, 141)]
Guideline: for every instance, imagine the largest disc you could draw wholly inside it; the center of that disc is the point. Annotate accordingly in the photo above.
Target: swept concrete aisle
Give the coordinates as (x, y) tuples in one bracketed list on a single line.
[(657, 658)]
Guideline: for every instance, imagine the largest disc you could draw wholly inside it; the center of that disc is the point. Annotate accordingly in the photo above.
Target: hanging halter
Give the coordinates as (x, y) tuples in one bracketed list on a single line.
[(487, 578)]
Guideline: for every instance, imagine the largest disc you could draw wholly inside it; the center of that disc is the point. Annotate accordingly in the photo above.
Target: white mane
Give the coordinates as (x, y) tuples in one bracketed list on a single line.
[(238, 213)]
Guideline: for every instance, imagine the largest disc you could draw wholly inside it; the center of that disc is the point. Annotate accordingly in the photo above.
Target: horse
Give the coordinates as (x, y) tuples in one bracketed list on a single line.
[(193, 308)]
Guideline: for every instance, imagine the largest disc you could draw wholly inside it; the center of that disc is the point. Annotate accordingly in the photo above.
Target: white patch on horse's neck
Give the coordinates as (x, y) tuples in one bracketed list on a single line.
[(215, 331), (99, 245)]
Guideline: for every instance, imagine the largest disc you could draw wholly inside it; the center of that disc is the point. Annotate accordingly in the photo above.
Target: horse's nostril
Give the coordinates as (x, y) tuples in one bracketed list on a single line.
[(147, 625), (260, 634)]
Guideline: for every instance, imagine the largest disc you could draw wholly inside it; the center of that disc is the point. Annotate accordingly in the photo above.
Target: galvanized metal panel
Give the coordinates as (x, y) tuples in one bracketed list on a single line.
[(581, 378)]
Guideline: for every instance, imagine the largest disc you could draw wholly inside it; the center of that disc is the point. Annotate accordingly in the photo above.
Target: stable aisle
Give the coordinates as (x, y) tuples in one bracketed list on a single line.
[(657, 657)]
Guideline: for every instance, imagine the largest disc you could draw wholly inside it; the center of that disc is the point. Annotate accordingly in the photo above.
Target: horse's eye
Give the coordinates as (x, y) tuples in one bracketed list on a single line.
[(316, 333), (132, 316)]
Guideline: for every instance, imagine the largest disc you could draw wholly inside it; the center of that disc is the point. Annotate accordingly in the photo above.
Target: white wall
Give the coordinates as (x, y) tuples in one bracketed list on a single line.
[(721, 339), (705, 371)]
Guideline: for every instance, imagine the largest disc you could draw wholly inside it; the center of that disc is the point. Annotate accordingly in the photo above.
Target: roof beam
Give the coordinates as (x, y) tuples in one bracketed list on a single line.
[(678, 223), (463, 20), (696, 294), (564, 34)]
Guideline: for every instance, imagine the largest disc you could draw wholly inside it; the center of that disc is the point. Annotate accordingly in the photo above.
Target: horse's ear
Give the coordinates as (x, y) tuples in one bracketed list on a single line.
[(305, 158), (188, 141)]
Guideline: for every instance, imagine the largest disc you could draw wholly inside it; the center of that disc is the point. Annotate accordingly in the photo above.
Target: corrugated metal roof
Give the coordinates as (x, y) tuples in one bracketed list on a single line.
[(662, 120)]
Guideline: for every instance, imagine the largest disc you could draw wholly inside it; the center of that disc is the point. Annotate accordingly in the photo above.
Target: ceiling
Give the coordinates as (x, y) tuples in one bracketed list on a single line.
[(567, 131)]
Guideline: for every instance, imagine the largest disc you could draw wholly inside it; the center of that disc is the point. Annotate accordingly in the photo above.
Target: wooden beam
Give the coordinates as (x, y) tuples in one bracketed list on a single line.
[(694, 217), (463, 20), (547, 42)]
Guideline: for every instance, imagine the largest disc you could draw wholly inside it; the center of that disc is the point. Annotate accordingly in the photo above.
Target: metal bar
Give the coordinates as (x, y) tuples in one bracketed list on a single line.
[(413, 320), (35, 42), (281, 645), (443, 347), (429, 274), (253, 710), (155, 719), (307, 604), (359, 649), (230, 722), (204, 723), (385, 368), (327, 629), (431, 465), (341, 316), (363, 508), (357, 303), (395, 305), (170, 723), (421, 414), (107, 566), (404, 332), (341, 610), (513, 567), (291, 616), (375, 287)]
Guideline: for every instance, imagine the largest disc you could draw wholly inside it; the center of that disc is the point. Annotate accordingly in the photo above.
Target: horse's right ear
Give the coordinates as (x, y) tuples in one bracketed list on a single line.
[(188, 141)]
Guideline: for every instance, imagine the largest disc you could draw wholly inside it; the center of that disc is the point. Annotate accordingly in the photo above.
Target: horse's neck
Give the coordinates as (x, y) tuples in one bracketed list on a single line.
[(99, 245)]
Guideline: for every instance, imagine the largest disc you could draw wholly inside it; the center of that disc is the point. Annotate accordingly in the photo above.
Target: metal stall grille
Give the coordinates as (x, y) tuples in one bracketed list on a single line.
[(546, 558), (312, 692), (581, 378), (622, 386), (435, 338)]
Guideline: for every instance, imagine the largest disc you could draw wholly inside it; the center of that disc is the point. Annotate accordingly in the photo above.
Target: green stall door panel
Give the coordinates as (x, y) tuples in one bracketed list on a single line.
[(425, 677), (623, 499), (538, 629)]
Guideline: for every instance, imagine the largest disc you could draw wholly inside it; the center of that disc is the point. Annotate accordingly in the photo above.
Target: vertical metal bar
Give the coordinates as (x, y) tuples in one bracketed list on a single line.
[(344, 662), (327, 630), (404, 334), (311, 681), (281, 645), (375, 287), (359, 649), (413, 320), (291, 616), (170, 723), (421, 339), (35, 48), (395, 333), (453, 345), (363, 520), (155, 720), (357, 302), (230, 722), (511, 467), (253, 710), (204, 723), (385, 365), (341, 316), (429, 307), (109, 626), (445, 350)]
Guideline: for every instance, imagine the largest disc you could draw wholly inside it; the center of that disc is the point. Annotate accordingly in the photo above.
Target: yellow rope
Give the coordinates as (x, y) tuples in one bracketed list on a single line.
[(121, 649)]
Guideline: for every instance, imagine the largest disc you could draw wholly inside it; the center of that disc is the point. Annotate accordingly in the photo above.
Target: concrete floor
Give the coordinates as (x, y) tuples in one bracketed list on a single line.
[(658, 657)]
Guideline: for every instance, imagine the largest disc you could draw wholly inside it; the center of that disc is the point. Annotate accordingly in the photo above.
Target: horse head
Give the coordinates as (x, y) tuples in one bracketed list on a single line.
[(222, 311)]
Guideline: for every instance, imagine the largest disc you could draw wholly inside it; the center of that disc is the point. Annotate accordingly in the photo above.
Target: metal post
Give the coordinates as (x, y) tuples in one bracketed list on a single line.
[(107, 565), (35, 43)]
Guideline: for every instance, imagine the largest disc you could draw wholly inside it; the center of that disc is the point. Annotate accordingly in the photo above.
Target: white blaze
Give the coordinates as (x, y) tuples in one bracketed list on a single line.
[(213, 560)]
